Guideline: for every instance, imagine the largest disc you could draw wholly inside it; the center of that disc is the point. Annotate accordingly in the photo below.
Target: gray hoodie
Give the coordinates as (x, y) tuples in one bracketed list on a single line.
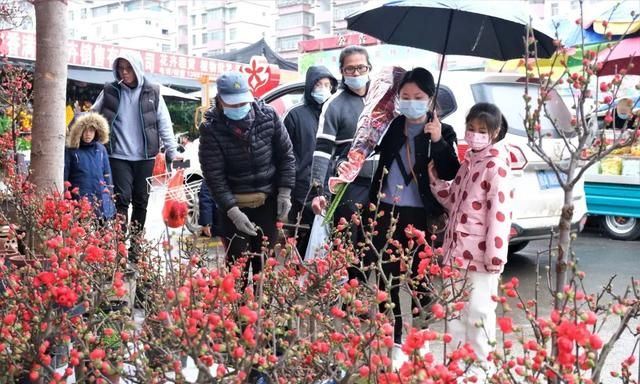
[(128, 124)]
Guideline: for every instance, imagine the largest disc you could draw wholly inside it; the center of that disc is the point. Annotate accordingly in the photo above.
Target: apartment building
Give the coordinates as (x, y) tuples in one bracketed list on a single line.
[(300, 20), (140, 24), (208, 28)]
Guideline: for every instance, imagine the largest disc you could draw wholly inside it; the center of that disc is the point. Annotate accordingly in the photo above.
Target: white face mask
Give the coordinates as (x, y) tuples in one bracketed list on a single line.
[(477, 141)]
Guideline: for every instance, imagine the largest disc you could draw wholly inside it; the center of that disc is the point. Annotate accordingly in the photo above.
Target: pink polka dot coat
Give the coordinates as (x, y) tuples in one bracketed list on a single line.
[(479, 202)]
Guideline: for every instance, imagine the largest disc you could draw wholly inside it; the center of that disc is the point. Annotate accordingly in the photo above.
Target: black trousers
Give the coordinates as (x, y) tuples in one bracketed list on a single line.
[(239, 243), (130, 187), (393, 270)]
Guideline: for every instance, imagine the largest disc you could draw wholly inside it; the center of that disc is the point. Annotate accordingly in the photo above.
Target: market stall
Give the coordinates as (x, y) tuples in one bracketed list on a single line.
[(612, 188)]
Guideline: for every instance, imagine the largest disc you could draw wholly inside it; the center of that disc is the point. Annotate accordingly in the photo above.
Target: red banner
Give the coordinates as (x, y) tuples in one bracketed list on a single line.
[(22, 45), (336, 42)]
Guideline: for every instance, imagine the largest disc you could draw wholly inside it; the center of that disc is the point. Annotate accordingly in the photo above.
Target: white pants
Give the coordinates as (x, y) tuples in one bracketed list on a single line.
[(477, 322)]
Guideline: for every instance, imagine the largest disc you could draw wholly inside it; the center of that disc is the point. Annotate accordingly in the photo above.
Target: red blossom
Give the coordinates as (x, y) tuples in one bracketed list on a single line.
[(505, 324)]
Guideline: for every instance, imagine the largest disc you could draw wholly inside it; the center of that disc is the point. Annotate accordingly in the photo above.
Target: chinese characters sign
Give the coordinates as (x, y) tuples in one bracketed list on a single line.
[(22, 45)]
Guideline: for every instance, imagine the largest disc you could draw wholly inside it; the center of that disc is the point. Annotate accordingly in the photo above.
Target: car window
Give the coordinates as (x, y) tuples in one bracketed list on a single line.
[(284, 102), (509, 98)]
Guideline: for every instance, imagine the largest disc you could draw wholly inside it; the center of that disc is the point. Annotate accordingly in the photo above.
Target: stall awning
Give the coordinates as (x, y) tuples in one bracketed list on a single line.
[(95, 76)]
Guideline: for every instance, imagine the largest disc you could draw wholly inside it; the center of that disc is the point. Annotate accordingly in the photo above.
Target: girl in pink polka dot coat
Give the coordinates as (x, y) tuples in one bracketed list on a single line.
[(478, 202)]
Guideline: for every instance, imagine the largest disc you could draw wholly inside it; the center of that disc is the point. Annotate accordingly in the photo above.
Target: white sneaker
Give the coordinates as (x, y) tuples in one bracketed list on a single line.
[(398, 357)]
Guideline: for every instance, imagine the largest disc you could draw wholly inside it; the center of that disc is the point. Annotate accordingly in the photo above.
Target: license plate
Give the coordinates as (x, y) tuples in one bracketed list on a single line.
[(548, 180)]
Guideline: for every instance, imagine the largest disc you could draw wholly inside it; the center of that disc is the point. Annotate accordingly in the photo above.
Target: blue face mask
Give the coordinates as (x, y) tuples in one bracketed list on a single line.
[(321, 95), (623, 116), (237, 113), (413, 109), (356, 82)]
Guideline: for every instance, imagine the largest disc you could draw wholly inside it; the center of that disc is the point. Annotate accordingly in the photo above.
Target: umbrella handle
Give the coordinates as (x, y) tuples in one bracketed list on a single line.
[(429, 119)]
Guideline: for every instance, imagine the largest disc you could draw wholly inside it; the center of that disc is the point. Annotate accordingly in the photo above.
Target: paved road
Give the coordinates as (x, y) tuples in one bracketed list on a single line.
[(600, 258)]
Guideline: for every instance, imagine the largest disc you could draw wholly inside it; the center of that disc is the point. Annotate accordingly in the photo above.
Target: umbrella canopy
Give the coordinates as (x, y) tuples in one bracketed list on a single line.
[(170, 92), (572, 34), (621, 18), (454, 27), (619, 56)]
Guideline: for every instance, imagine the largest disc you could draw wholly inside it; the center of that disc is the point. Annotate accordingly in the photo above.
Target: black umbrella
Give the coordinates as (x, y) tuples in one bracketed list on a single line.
[(491, 29)]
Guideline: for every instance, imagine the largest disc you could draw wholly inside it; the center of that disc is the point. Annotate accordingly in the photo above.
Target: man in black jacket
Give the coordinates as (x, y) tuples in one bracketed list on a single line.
[(301, 122), (248, 164)]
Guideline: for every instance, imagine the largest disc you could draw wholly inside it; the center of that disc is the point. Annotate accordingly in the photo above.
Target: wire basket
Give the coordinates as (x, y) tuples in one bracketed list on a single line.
[(186, 192)]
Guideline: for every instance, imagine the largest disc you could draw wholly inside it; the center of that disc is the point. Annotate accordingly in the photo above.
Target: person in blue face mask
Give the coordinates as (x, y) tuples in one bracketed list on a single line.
[(248, 165), (623, 117), (336, 129), (301, 122), (403, 152)]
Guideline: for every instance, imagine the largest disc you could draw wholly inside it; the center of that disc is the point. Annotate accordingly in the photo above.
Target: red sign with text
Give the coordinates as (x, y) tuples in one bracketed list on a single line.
[(327, 43), (22, 45)]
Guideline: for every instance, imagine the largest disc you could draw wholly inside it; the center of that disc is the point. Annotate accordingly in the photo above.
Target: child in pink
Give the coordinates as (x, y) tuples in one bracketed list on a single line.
[(478, 202)]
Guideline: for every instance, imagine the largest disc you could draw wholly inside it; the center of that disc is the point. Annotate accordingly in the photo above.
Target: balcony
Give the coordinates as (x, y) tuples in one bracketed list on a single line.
[(289, 3)]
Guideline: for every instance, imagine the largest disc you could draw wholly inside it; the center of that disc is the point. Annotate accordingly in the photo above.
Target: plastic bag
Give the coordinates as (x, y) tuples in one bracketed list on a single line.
[(318, 237), (175, 209), (159, 174), (611, 166)]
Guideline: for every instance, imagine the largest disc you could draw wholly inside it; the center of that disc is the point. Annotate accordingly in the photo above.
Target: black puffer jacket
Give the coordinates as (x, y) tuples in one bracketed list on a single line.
[(263, 162), (442, 153), (301, 122)]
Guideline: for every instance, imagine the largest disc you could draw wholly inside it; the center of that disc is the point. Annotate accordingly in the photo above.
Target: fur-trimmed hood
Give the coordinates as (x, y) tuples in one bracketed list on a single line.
[(88, 120)]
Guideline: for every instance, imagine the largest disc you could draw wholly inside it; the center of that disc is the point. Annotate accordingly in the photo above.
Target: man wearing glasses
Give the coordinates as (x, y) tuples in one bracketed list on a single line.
[(336, 129)]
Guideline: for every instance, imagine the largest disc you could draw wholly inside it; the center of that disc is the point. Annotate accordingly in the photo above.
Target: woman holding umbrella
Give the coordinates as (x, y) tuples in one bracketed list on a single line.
[(403, 152)]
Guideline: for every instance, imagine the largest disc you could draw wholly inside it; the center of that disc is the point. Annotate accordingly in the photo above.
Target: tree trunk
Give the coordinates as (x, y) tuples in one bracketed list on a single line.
[(49, 95), (564, 245)]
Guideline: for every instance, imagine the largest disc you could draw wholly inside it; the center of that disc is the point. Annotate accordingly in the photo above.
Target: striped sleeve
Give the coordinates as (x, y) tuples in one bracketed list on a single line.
[(328, 126)]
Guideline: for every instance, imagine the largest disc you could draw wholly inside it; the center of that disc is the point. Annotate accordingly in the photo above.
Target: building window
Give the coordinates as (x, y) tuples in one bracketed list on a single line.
[(193, 19), (113, 8), (165, 32), (204, 18), (132, 5), (555, 8), (216, 14), (288, 43), (147, 22), (193, 40), (232, 34), (100, 11), (294, 20), (231, 13), (205, 38), (166, 48), (83, 13), (71, 15), (342, 11), (216, 35), (114, 29)]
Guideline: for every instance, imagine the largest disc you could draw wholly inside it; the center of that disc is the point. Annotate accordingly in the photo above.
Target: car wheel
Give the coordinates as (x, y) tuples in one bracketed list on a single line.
[(517, 246), (620, 227)]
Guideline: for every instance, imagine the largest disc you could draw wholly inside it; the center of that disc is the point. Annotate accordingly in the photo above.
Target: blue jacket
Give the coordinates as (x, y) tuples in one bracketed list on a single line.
[(86, 166)]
